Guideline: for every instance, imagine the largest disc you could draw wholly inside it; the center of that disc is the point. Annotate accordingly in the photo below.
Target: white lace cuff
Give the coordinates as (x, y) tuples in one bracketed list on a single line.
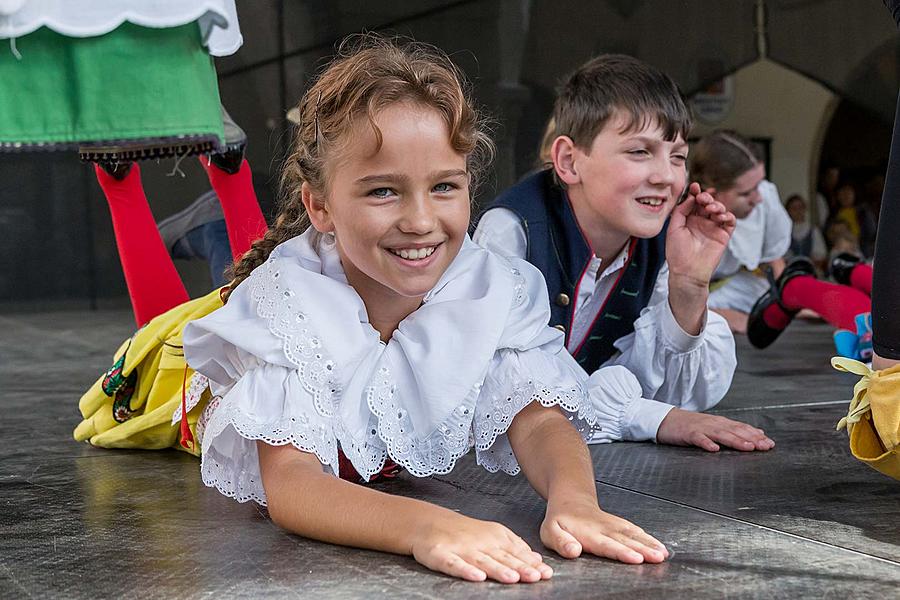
[(515, 380), (258, 408)]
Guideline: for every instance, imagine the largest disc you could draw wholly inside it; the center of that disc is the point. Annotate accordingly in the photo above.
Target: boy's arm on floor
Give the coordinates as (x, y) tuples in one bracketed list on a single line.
[(689, 372)]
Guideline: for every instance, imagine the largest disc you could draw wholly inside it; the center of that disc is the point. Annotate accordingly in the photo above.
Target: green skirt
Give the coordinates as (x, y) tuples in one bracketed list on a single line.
[(132, 93)]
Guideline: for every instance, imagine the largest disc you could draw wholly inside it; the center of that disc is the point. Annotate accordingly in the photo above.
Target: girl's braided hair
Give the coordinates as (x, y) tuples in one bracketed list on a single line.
[(368, 73)]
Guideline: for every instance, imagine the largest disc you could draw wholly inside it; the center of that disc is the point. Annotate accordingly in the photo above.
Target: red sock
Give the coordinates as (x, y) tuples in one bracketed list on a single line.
[(243, 217), (153, 283), (837, 304), (861, 278)]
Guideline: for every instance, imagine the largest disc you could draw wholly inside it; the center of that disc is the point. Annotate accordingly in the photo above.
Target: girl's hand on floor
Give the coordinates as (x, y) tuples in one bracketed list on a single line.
[(574, 526), (477, 550), (686, 428)]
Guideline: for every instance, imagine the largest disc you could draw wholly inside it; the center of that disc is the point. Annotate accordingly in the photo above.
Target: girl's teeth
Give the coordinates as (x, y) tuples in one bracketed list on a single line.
[(415, 253), (650, 201)]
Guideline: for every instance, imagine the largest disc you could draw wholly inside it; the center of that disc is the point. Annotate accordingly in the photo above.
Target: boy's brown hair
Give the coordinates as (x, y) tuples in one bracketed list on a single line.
[(616, 82)]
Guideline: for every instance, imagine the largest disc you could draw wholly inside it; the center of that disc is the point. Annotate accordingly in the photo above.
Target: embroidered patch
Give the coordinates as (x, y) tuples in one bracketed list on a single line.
[(113, 378), (121, 407)]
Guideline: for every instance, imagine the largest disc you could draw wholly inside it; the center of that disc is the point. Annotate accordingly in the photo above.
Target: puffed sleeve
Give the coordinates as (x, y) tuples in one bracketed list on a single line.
[(532, 365), (260, 395)]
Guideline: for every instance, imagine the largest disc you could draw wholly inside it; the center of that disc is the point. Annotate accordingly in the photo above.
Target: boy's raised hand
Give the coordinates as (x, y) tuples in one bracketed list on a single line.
[(699, 230), (574, 525), (686, 428)]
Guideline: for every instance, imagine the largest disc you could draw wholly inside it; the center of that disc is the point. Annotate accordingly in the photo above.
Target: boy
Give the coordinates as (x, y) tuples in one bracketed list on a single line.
[(628, 273)]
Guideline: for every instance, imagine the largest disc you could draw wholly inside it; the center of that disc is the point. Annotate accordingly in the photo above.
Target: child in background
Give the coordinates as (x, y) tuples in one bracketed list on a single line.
[(627, 270), (382, 333), (729, 167), (806, 239)]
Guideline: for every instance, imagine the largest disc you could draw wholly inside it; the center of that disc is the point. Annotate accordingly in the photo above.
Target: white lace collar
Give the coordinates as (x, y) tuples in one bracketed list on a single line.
[(412, 398)]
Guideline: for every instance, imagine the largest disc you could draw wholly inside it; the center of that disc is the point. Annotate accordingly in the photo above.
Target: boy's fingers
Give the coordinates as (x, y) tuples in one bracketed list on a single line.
[(703, 441)]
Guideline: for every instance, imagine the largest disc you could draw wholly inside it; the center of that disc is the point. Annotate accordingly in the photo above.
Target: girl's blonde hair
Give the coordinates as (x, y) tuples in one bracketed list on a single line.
[(368, 73)]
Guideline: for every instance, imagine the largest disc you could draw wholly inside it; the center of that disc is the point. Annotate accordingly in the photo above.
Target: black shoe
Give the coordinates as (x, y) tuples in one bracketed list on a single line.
[(758, 332), (232, 157), (842, 266), (115, 169)]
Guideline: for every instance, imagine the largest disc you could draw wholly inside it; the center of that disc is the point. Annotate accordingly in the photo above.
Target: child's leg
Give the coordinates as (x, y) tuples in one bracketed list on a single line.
[(837, 304), (153, 283), (243, 217), (861, 278)]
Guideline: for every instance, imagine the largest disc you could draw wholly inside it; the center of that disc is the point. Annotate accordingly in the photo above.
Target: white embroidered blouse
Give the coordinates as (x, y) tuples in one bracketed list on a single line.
[(294, 360)]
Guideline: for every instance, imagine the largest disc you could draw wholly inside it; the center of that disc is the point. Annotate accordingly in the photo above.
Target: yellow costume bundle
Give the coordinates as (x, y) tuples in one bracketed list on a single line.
[(137, 402), (873, 420)]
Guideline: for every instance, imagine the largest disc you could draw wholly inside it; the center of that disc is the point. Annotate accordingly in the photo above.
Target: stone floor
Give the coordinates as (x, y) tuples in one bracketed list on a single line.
[(804, 520)]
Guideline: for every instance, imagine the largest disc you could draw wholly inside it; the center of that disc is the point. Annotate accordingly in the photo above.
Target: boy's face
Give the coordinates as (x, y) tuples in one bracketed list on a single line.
[(629, 181)]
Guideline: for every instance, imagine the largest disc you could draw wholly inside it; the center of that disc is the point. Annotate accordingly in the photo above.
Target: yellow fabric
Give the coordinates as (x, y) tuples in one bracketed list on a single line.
[(873, 420), (848, 216), (156, 352)]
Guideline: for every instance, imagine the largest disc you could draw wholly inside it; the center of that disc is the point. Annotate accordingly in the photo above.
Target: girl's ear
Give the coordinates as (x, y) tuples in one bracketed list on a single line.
[(562, 152), (315, 207)]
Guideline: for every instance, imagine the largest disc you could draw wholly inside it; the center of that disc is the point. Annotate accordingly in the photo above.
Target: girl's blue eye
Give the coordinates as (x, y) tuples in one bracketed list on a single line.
[(381, 192), (443, 188)]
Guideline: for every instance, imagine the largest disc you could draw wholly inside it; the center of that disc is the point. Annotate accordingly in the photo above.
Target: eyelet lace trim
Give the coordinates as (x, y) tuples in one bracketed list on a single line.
[(389, 433), (502, 409), (436, 454), (199, 384)]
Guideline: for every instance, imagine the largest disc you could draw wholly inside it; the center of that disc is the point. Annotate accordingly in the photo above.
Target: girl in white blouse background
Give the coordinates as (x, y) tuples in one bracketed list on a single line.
[(382, 333)]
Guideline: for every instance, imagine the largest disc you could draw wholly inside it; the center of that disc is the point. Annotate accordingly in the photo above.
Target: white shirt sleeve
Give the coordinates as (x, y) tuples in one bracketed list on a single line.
[(674, 368), (700, 367), (500, 231), (777, 237)]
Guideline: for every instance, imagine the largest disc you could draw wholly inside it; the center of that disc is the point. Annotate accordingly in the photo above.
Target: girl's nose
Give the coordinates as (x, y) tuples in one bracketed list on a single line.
[(418, 216)]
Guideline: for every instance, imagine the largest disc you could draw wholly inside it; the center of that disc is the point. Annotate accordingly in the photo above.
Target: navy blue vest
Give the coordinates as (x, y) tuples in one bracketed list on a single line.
[(557, 247)]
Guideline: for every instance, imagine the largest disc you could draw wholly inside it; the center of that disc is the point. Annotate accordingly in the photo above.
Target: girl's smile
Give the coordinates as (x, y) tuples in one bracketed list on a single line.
[(399, 210)]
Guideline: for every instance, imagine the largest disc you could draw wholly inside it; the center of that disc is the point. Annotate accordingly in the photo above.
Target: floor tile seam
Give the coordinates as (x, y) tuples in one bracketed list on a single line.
[(780, 406), (47, 334), (751, 523)]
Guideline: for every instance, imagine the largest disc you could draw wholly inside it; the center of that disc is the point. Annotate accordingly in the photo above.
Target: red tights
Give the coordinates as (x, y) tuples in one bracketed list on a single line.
[(154, 285), (837, 304)]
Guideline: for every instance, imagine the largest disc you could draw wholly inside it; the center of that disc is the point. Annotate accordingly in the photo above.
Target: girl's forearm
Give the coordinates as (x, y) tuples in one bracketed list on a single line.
[(305, 500), (553, 457)]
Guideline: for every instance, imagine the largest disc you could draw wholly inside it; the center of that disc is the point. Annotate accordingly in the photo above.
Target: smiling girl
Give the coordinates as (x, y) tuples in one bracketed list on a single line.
[(366, 331)]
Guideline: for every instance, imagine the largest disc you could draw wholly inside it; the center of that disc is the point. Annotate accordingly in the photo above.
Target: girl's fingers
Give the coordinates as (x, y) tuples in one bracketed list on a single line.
[(563, 542), (602, 545), (650, 552), (648, 540), (455, 566), (526, 571), (495, 569)]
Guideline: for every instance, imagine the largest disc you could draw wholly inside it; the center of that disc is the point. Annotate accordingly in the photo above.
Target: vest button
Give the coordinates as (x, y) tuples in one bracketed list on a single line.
[(560, 327), (562, 300)]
